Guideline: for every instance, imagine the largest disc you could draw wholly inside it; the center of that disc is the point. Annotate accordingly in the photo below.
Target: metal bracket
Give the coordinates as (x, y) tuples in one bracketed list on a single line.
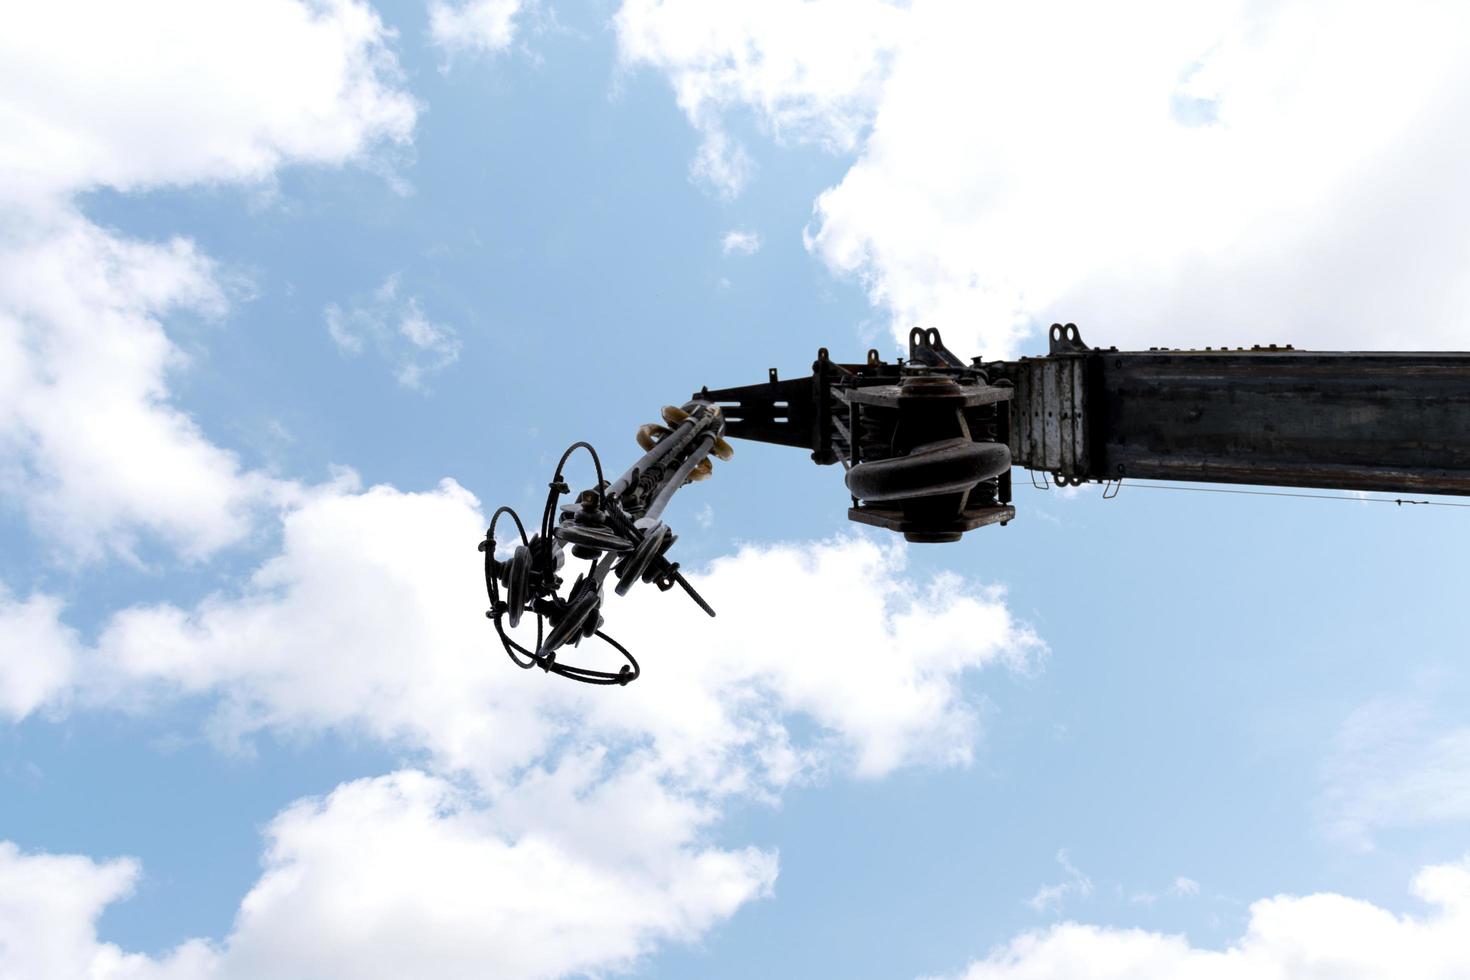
[(1066, 339), (926, 349)]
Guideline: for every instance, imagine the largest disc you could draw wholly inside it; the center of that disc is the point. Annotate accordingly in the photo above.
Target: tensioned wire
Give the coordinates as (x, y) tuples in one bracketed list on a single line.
[(1400, 501)]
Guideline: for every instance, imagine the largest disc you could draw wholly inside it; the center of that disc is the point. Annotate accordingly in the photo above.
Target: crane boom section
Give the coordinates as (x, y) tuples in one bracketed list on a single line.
[(1350, 421)]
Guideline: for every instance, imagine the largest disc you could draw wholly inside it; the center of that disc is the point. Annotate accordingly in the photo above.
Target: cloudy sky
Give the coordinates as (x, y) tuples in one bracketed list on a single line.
[(293, 293)]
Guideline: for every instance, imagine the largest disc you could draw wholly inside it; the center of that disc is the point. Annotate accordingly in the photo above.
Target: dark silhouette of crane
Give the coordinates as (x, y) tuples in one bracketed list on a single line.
[(928, 444)]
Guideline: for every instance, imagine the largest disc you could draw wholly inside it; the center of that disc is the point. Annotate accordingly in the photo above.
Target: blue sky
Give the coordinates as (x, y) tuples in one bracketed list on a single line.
[(295, 294)]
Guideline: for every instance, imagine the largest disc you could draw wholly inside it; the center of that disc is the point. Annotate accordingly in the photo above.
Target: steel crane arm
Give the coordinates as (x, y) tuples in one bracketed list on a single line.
[(1397, 422), (1275, 416), (927, 445)]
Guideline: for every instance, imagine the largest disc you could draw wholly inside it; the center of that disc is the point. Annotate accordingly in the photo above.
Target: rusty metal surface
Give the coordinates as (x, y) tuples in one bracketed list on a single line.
[(1352, 421), (1049, 430), (1339, 420), (1272, 416)]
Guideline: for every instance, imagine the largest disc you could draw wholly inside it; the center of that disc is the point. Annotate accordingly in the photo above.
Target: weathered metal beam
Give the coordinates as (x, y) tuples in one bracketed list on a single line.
[(1339, 420)]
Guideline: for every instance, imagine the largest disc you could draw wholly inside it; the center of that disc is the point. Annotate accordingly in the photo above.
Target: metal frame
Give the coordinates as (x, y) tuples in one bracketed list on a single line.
[(1265, 415), (927, 444)]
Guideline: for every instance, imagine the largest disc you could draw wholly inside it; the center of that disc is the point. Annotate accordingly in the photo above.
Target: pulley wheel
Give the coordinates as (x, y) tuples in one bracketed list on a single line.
[(517, 583), (948, 466), (642, 557), (582, 607)]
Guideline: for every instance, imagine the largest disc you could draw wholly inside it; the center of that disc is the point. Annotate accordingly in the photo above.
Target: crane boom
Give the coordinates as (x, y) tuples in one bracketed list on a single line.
[(1273, 416), (1396, 422), (928, 444)]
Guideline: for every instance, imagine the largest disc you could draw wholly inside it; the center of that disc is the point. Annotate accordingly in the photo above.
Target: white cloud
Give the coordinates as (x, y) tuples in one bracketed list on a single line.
[(475, 25), (1075, 885), (457, 890), (598, 800), (140, 95), (592, 809), (398, 329), (809, 68), (771, 655), (49, 906), (38, 655), (583, 812), (148, 95), (403, 875), (1322, 935), (360, 624), (584, 815), (1184, 887), (1394, 764), (738, 242), (90, 446), (449, 893), (1160, 174)]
